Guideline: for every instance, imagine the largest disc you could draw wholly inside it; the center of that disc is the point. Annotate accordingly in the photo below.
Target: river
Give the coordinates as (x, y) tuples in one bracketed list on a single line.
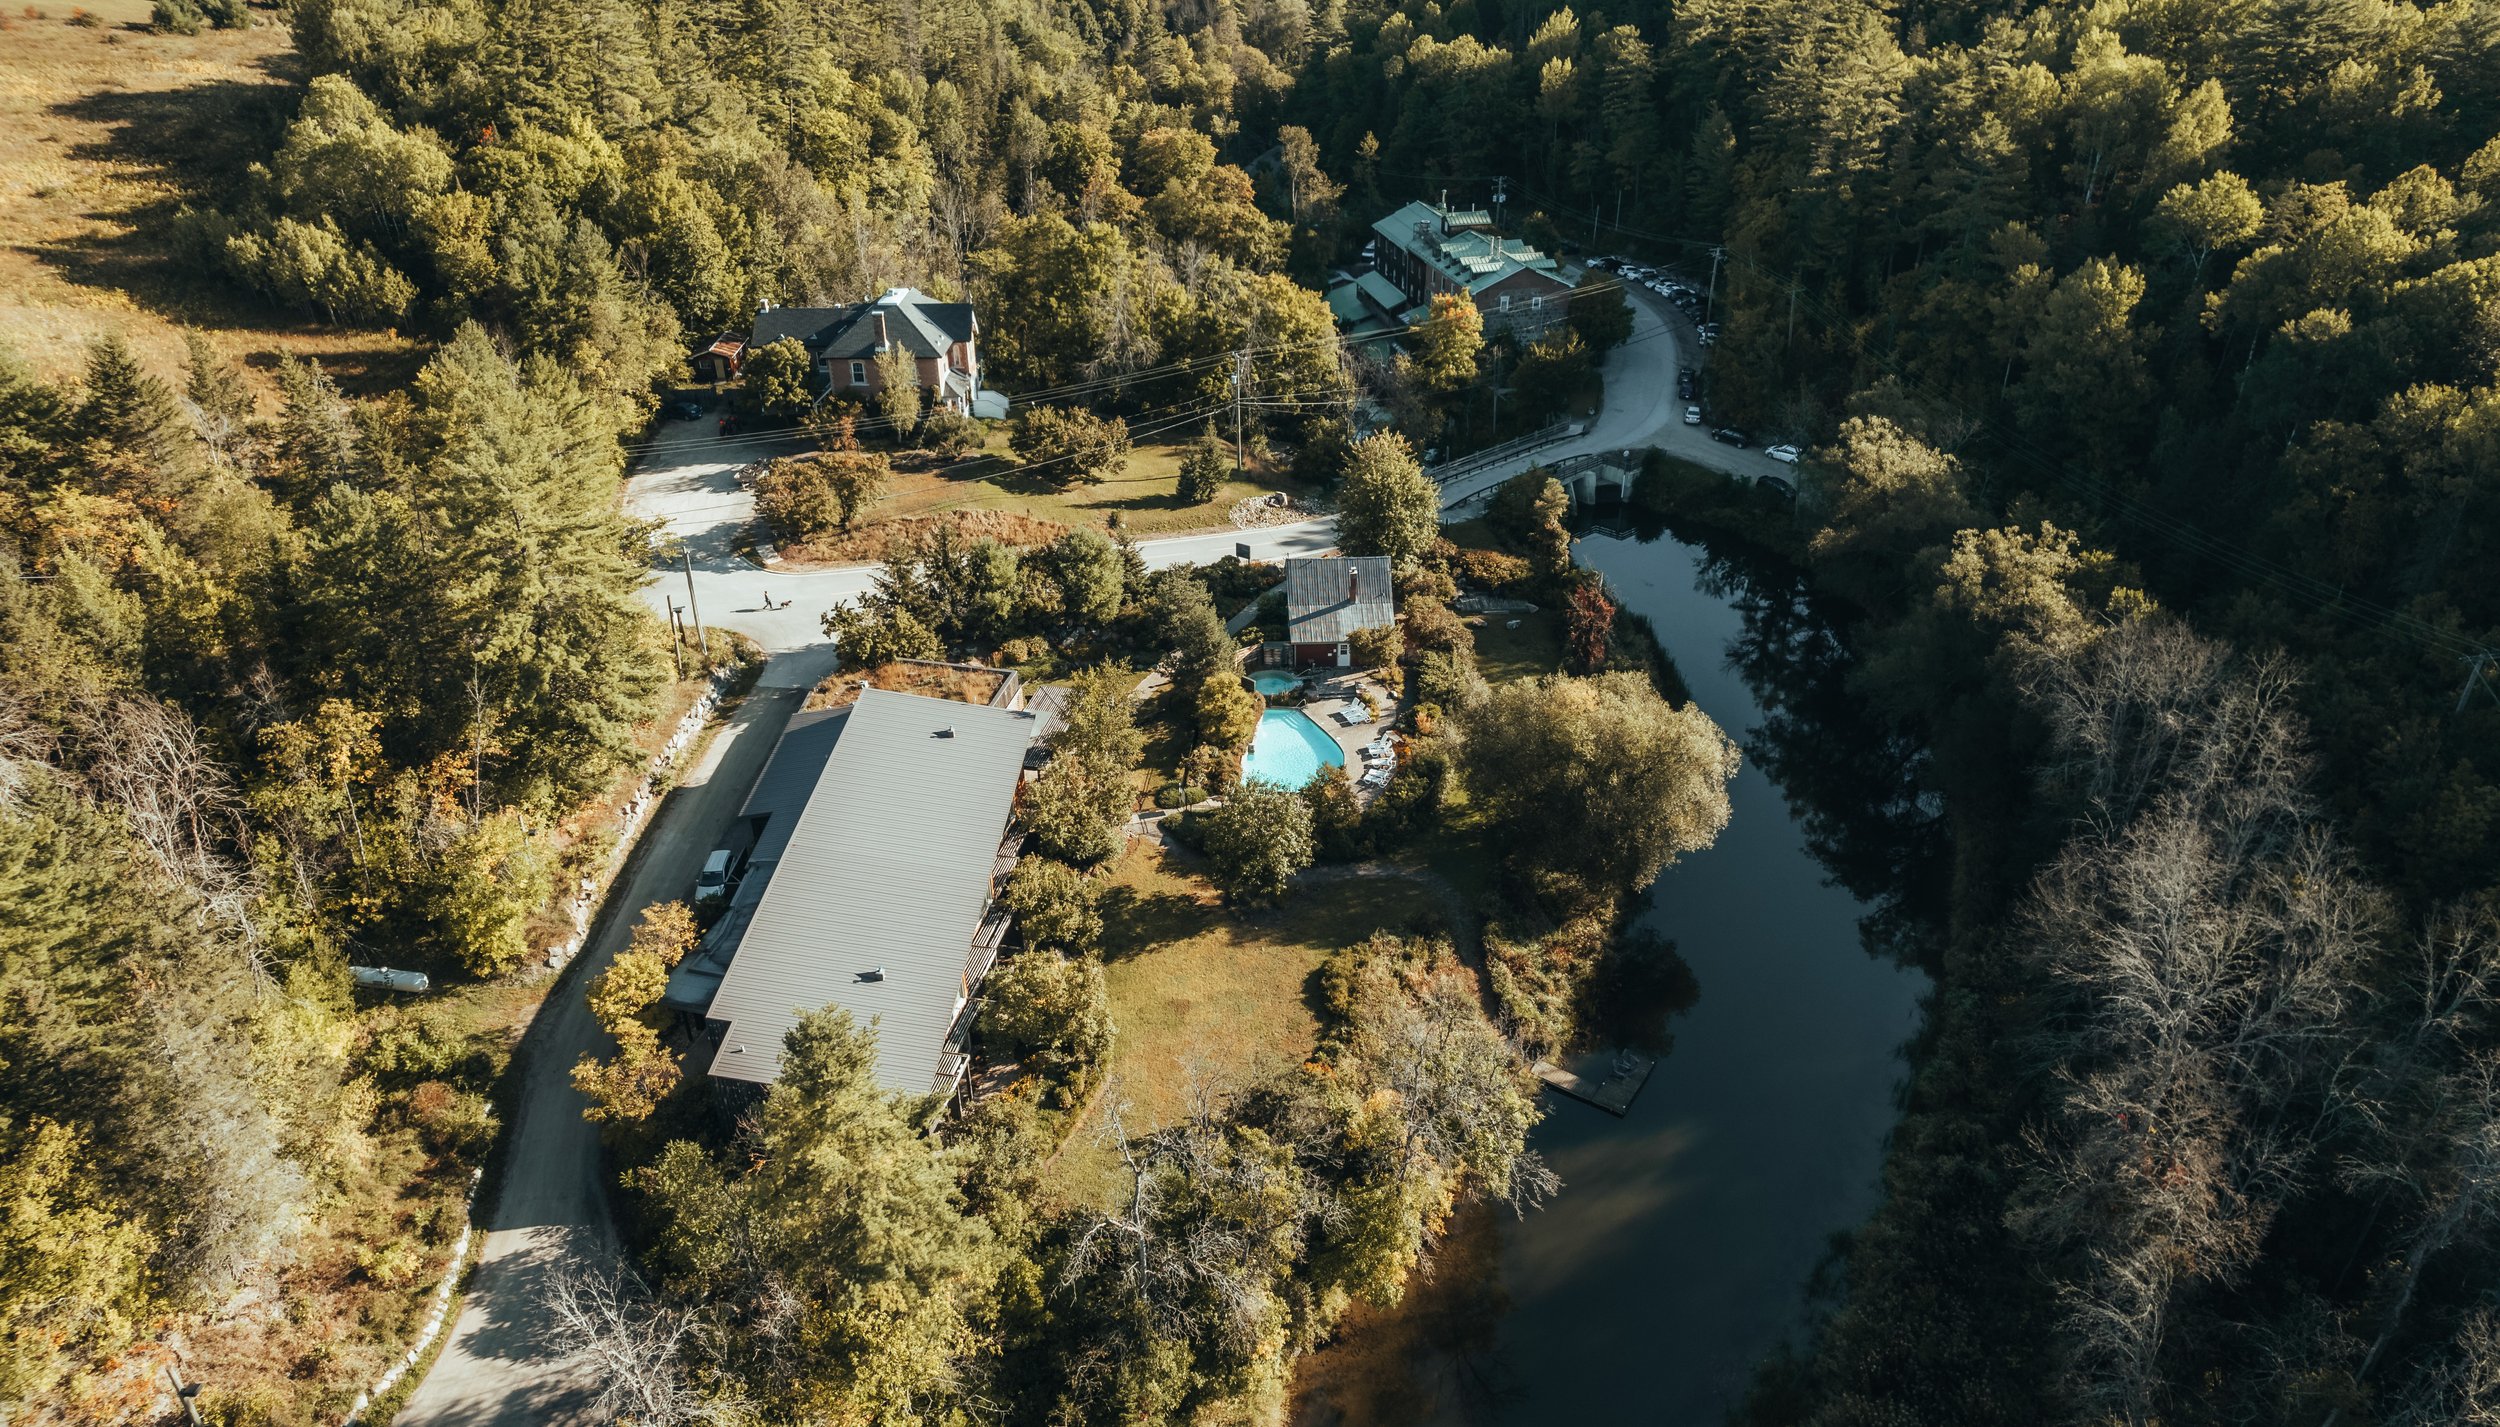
[(1678, 1253)]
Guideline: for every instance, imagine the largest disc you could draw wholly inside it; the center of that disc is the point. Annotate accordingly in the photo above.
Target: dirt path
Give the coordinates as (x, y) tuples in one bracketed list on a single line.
[(501, 1366)]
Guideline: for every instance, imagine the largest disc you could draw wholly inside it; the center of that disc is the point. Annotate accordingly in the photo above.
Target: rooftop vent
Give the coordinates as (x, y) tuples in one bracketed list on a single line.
[(874, 973), (946, 732)]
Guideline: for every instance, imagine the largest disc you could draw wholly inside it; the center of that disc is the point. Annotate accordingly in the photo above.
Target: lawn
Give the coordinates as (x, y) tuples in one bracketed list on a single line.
[(1197, 990), (112, 128), (1144, 501), (1534, 648)]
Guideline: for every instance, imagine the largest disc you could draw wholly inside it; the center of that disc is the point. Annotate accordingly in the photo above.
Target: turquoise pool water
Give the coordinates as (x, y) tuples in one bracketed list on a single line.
[(1273, 681), (1290, 750)]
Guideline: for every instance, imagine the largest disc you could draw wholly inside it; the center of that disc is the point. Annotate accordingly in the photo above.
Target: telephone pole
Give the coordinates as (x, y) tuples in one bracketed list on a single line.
[(1710, 305), (694, 609), (1501, 195), (1241, 381), (1793, 288), (676, 640)]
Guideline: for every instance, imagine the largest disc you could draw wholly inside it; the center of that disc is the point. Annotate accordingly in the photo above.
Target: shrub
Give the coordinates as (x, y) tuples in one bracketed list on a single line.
[(457, 1125), (1429, 625), (176, 17), (1377, 647), (1075, 810), (1227, 712), (1055, 906), (1493, 571), (801, 496), (1448, 678), (1258, 841), (1179, 795), (1203, 469), (1067, 445), (866, 635), (953, 434), (1051, 1013)]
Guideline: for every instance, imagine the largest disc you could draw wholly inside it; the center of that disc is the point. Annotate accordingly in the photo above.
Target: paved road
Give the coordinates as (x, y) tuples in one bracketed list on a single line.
[(1641, 407), (500, 1367), (687, 479)]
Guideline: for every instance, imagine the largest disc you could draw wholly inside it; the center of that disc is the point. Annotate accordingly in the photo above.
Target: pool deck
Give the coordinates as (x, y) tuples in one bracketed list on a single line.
[(1339, 689)]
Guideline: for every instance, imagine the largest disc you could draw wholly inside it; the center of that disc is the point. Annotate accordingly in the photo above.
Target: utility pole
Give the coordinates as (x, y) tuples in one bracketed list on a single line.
[(1710, 305), (2477, 676), (1501, 195), (695, 609), (676, 640), (1793, 287), (184, 1393), (1241, 380)]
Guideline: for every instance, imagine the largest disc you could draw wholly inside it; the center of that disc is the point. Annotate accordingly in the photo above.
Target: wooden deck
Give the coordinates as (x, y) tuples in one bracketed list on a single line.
[(1621, 1077)]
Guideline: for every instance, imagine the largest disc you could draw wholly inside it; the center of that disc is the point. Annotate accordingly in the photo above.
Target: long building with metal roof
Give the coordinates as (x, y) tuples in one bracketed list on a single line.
[(884, 834)]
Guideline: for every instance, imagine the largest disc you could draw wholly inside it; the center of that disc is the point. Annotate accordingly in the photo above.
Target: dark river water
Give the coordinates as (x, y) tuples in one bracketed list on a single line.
[(1677, 1254)]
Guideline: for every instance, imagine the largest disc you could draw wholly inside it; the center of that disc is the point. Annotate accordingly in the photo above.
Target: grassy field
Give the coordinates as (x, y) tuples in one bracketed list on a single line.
[(1198, 990), (1144, 500), (1534, 648), (111, 129)]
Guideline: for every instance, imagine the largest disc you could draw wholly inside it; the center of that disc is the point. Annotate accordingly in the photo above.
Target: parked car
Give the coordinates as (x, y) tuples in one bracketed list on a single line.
[(713, 884), (1684, 388), (1785, 455), (686, 408), (1729, 435), (1692, 416), (1777, 487)]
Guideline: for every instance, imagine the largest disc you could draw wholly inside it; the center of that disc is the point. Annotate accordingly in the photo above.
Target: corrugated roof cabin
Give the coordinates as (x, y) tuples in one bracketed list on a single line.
[(884, 835), (1327, 598)]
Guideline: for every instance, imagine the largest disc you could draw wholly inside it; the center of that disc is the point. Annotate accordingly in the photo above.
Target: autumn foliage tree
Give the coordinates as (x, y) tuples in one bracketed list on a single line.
[(624, 1088)]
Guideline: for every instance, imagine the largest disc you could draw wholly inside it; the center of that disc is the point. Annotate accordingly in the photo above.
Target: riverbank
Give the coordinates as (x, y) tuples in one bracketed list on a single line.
[(1677, 1256)]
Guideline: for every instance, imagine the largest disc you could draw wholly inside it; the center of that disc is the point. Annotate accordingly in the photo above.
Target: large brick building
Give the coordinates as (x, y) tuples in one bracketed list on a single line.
[(1427, 249)]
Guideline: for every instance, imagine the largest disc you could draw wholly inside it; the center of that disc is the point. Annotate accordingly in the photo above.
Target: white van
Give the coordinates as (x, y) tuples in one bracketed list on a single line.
[(713, 885)]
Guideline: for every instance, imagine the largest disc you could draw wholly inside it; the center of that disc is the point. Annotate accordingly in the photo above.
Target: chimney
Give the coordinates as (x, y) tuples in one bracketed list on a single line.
[(1353, 583), (881, 338)]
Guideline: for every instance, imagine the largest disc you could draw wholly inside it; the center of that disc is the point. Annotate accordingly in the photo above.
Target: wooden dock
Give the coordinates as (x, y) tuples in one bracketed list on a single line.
[(1624, 1075)]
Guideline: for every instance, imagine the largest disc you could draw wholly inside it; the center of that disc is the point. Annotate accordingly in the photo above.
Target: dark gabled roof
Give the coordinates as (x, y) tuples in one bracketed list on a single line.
[(879, 888), (920, 326), (1330, 597)]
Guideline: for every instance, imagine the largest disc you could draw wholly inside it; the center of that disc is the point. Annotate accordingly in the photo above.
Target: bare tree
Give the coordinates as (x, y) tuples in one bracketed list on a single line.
[(144, 759), (2199, 943), (1212, 1223), (636, 1350), (2462, 1388)]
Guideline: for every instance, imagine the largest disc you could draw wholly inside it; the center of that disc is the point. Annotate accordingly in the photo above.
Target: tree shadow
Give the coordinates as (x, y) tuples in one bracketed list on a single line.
[(193, 145), (1147, 920)]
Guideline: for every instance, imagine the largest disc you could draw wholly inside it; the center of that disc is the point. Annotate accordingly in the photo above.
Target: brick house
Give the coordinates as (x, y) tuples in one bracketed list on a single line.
[(1427, 249), (843, 343)]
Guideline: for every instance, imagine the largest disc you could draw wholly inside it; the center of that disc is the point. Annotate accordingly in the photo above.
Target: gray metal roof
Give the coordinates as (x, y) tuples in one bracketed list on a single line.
[(779, 795), (1330, 597), (886, 868)]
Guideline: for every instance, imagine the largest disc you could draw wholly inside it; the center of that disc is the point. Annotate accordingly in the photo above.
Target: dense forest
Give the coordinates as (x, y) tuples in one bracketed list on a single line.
[(2151, 355)]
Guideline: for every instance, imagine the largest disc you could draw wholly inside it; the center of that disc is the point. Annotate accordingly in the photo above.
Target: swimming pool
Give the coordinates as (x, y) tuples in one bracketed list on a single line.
[(1273, 681), (1290, 750)]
